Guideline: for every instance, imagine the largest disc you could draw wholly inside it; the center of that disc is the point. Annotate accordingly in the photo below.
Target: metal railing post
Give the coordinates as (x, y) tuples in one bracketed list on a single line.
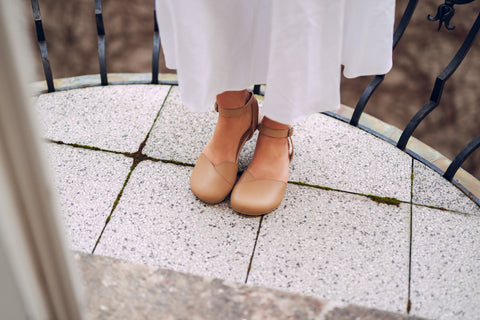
[(42, 44), (101, 42)]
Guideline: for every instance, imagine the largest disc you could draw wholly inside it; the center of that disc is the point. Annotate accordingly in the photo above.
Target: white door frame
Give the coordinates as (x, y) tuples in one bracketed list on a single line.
[(38, 280)]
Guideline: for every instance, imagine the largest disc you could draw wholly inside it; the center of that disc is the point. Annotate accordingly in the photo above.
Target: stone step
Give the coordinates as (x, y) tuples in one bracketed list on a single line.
[(117, 289)]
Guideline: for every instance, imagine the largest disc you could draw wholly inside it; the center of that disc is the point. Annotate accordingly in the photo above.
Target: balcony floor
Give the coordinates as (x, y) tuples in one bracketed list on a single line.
[(329, 238)]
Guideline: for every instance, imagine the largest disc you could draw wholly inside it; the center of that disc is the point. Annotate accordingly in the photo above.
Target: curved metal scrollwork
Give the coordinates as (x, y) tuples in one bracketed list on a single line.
[(378, 79), (436, 95), (445, 13), (460, 158)]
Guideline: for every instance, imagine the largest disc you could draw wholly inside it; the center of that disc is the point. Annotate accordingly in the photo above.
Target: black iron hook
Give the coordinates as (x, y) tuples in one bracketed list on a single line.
[(445, 13)]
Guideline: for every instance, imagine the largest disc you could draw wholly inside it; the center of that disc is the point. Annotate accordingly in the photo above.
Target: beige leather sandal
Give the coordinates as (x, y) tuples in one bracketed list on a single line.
[(252, 196), (212, 183)]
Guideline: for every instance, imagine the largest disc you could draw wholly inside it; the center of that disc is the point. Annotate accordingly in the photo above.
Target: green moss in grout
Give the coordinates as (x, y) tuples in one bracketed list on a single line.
[(137, 158), (77, 145), (177, 163), (384, 200), (312, 185), (115, 203), (437, 208)]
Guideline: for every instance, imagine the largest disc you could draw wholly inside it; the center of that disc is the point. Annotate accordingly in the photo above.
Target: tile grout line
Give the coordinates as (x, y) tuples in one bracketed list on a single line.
[(254, 247), (387, 200), (115, 203), (138, 157), (409, 301), (144, 142), (379, 199), (87, 147), (126, 154)]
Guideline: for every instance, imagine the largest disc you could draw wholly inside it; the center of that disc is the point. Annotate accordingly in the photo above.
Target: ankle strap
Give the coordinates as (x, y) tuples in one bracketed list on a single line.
[(275, 133), (236, 112), (279, 133)]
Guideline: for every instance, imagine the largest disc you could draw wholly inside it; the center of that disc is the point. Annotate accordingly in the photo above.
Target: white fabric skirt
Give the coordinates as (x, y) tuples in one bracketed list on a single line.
[(296, 48)]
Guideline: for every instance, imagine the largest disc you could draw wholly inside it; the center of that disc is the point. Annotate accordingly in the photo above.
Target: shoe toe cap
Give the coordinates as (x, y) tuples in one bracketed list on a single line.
[(257, 197), (212, 184)]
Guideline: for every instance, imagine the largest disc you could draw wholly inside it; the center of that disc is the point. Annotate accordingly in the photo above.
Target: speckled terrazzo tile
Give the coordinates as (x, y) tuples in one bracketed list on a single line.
[(86, 184), (114, 117), (180, 134), (338, 246), (160, 222), (445, 264), (334, 154), (430, 188)]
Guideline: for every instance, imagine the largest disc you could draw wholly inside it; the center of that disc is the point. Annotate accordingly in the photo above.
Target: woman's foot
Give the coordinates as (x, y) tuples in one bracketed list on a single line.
[(228, 131), (262, 186), (271, 160), (215, 172)]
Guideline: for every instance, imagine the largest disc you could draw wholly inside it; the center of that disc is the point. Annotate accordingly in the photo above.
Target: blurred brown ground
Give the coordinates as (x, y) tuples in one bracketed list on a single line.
[(420, 56)]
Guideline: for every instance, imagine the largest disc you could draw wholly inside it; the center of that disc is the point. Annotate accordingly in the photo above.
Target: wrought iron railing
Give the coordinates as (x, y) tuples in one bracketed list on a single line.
[(445, 13)]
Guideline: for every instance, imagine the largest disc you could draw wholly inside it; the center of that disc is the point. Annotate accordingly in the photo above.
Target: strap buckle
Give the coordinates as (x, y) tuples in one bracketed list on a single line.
[(290, 132)]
